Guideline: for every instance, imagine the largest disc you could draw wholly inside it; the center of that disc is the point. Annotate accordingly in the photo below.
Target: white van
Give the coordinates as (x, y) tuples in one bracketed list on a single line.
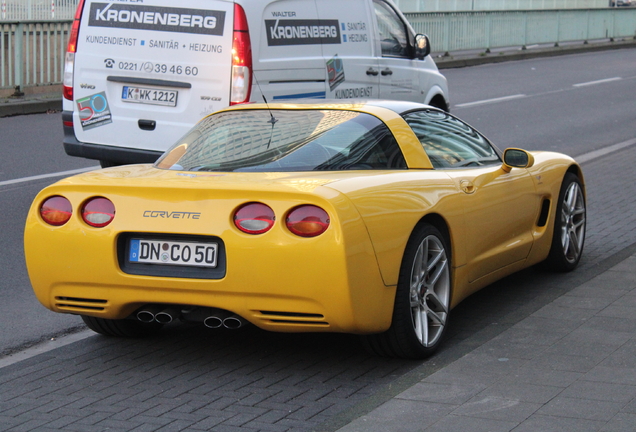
[(140, 73)]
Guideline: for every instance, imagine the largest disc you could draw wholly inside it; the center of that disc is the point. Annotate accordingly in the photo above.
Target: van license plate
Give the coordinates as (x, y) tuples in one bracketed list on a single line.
[(164, 252), (149, 96)]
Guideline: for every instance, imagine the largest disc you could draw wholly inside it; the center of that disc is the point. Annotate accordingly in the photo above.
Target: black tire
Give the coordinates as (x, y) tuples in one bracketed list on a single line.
[(121, 328), (418, 326), (568, 238)]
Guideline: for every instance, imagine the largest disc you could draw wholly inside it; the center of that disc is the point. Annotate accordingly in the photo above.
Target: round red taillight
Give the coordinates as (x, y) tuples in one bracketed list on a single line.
[(254, 218), (56, 210), (98, 212), (307, 221)]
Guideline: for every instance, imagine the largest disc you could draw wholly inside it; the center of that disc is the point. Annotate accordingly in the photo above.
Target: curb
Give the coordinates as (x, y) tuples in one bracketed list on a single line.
[(21, 107), (483, 58)]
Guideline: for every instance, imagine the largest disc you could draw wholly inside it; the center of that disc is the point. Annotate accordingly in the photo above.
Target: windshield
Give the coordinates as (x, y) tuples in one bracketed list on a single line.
[(286, 140)]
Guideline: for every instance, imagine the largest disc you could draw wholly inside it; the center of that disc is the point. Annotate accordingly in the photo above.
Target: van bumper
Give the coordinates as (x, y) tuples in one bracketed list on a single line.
[(101, 152)]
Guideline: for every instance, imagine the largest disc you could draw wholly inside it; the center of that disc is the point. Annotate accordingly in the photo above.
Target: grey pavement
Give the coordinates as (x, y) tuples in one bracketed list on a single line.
[(569, 366)]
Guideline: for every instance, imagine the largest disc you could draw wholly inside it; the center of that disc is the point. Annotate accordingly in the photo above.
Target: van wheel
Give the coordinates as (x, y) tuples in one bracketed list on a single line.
[(121, 328), (569, 226), (422, 299)]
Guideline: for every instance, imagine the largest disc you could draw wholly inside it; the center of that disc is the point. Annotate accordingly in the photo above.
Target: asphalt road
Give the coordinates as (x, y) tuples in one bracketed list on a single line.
[(574, 104), (31, 145)]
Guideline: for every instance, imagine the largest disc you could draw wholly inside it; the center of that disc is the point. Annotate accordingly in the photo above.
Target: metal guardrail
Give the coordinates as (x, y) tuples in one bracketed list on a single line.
[(457, 31), (501, 5), (32, 53), (37, 10)]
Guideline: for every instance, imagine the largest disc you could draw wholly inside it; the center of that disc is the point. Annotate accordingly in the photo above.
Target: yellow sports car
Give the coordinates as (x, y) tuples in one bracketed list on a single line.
[(372, 217)]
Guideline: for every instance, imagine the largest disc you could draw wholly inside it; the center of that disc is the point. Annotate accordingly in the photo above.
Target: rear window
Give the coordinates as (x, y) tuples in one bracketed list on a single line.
[(286, 140)]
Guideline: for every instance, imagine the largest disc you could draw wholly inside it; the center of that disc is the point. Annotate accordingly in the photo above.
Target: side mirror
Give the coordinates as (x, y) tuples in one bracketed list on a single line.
[(422, 46), (516, 158)]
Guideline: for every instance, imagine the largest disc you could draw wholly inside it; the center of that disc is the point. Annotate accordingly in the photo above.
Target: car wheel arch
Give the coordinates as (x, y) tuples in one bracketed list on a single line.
[(399, 340), (576, 170), (438, 101), (438, 221)]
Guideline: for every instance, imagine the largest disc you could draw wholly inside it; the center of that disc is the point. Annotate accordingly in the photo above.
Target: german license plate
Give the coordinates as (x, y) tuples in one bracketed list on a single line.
[(149, 96), (180, 253)]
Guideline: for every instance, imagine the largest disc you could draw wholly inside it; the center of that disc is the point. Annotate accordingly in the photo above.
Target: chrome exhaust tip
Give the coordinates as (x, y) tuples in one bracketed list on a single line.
[(213, 322), (145, 316), (234, 322), (147, 313), (167, 315)]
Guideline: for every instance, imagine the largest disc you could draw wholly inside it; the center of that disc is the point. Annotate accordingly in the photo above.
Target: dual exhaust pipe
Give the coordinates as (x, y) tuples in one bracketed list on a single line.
[(210, 317)]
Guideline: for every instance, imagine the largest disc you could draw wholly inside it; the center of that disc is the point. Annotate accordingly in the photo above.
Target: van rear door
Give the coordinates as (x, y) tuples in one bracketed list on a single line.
[(145, 72)]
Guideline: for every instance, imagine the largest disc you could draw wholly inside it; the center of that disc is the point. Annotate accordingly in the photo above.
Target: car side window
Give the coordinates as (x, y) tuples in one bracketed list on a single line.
[(393, 33), (449, 142)]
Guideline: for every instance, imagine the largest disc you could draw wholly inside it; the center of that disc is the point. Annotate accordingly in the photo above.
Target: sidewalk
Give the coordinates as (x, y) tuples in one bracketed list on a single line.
[(570, 366), (31, 104)]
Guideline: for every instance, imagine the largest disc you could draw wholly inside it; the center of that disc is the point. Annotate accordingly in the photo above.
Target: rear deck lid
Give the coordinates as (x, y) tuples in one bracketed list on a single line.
[(147, 72)]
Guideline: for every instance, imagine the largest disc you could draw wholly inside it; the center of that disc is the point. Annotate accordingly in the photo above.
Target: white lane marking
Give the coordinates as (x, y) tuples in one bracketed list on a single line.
[(586, 157), (487, 101), (45, 176), (50, 345), (589, 83)]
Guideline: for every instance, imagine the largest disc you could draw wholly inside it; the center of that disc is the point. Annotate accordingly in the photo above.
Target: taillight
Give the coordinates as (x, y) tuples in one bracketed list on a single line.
[(98, 212), (254, 218), (307, 221), (241, 59), (56, 210), (71, 49)]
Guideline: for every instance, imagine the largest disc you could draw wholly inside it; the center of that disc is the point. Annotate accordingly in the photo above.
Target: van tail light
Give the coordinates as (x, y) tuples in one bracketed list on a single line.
[(241, 59), (71, 49), (98, 212), (307, 221), (56, 210), (254, 218)]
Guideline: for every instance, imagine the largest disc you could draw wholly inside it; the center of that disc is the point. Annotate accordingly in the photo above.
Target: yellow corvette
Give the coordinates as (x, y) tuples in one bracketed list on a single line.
[(374, 218)]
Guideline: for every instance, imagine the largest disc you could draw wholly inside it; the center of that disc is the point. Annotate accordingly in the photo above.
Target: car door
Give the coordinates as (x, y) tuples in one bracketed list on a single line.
[(399, 78), (351, 66), (500, 208)]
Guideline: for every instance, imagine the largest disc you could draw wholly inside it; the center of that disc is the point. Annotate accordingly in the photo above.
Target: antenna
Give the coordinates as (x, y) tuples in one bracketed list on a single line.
[(272, 119)]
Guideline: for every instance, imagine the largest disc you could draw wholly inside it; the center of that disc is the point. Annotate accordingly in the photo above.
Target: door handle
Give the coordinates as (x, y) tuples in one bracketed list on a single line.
[(372, 71), (467, 186), (386, 72)]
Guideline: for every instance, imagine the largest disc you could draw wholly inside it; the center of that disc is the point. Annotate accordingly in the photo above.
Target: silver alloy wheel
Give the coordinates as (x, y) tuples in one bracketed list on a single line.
[(430, 290), (573, 222)]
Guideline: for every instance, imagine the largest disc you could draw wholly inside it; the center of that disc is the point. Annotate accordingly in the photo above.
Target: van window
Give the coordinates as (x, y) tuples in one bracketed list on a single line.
[(449, 142), (393, 32), (286, 140)]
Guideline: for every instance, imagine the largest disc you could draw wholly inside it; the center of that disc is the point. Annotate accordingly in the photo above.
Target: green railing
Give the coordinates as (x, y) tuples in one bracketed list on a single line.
[(32, 53), (37, 10), (457, 31), (491, 5)]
